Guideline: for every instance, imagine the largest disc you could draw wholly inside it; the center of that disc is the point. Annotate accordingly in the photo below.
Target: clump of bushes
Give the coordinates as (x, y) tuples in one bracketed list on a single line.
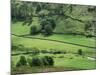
[(43, 61)]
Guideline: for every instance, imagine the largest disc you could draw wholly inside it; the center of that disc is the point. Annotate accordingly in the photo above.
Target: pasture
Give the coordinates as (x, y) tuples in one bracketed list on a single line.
[(68, 61)]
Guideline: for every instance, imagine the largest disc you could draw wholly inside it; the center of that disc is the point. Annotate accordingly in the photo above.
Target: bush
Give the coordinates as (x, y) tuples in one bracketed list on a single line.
[(21, 62), (48, 61), (18, 64), (44, 61), (33, 30), (48, 30), (80, 52), (36, 61)]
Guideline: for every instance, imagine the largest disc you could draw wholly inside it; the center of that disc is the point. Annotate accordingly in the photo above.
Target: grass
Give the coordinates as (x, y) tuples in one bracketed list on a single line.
[(78, 39), (47, 45), (75, 62), (19, 29), (67, 62), (63, 62)]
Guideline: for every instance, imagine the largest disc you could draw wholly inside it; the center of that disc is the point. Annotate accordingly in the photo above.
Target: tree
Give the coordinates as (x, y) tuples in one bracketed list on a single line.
[(47, 60), (48, 30), (38, 8), (22, 61), (80, 52), (33, 30), (89, 29), (36, 61)]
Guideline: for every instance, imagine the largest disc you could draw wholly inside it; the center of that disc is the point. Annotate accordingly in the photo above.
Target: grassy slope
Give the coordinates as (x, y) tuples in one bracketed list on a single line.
[(44, 44), (77, 62), (19, 29), (66, 62)]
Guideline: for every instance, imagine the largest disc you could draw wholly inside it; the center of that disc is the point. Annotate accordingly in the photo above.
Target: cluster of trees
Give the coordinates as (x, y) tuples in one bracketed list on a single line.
[(55, 17), (47, 27), (39, 61), (35, 61)]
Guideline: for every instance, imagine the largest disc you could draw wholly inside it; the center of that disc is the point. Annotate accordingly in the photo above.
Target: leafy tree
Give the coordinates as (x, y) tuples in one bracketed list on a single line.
[(80, 52), (38, 8), (22, 61), (48, 61), (89, 29), (18, 64), (36, 61), (33, 30), (55, 14), (48, 30)]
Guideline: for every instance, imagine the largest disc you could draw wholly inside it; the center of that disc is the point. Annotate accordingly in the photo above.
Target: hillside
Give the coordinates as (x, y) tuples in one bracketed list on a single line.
[(68, 18)]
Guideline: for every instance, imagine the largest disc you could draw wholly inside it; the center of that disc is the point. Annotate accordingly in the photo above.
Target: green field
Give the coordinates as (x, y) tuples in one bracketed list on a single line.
[(19, 29), (69, 61)]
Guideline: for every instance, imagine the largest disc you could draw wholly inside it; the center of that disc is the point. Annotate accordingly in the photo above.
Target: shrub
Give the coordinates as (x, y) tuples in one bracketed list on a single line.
[(21, 62), (48, 30), (44, 61), (18, 64), (36, 61), (48, 61), (80, 52), (33, 30)]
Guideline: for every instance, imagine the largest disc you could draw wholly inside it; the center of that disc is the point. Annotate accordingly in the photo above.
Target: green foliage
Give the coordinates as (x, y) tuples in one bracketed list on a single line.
[(80, 52), (18, 64), (47, 30), (62, 18), (47, 60), (41, 61), (49, 18), (48, 21), (33, 30), (22, 61), (38, 8), (36, 61)]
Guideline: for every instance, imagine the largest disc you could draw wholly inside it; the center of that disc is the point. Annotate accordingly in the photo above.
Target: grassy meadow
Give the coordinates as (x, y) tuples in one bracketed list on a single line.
[(69, 61)]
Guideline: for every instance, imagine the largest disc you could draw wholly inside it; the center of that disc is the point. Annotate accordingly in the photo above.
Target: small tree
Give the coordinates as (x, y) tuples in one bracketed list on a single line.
[(48, 30), (21, 62), (33, 30), (36, 61), (38, 8), (48, 61), (18, 64), (80, 52)]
